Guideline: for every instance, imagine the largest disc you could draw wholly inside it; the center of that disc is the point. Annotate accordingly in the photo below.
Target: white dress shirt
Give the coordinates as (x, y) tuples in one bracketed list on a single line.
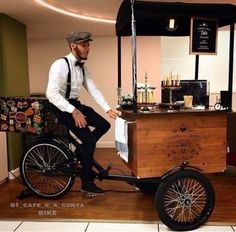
[(57, 84)]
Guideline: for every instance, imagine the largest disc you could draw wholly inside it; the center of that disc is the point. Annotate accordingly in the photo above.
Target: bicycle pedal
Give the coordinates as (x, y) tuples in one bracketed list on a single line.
[(109, 167)]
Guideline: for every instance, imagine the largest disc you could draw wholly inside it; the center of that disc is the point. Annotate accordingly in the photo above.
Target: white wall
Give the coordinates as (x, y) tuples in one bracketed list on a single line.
[(41, 54), (102, 63)]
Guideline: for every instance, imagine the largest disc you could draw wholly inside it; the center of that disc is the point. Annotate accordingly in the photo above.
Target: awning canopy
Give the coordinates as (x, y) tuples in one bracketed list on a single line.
[(152, 17)]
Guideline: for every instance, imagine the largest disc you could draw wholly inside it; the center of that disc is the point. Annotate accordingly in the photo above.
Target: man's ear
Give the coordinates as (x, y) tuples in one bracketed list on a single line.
[(72, 46)]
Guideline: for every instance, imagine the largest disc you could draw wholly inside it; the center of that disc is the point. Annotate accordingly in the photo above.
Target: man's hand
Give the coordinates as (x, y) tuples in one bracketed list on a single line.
[(79, 118), (113, 114)]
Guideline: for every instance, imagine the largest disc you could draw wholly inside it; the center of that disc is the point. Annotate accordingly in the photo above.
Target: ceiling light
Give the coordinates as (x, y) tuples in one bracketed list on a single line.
[(172, 24), (80, 16)]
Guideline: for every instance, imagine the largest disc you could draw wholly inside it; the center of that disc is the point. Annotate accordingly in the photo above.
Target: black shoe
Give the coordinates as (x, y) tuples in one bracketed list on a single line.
[(91, 187)]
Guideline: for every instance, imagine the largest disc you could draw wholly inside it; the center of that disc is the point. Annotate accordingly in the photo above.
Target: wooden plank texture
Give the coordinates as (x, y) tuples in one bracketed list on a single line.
[(121, 202), (160, 142)]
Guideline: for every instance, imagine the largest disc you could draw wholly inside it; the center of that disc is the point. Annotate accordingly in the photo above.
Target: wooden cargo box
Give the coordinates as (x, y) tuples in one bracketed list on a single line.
[(159, 142)]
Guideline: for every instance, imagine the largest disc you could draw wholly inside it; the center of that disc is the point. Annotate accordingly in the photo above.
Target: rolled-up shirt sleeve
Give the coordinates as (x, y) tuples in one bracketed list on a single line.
[(92, 89), (57, 83)]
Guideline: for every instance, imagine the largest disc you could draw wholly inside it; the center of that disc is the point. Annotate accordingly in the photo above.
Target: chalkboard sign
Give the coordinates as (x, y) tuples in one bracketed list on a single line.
[(203, 36)]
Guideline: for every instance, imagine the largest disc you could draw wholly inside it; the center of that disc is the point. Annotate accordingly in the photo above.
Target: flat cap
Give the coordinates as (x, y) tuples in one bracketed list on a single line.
[(79, 37)]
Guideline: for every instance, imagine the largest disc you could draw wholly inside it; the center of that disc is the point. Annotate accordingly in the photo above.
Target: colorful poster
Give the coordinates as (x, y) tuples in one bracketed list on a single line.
[(26, 115)]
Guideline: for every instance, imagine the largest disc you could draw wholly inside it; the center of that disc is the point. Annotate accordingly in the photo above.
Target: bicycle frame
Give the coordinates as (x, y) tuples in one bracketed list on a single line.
[(101, 174)]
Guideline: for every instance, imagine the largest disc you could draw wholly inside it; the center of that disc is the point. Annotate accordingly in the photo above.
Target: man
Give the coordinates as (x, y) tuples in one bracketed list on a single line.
[(72, 113)]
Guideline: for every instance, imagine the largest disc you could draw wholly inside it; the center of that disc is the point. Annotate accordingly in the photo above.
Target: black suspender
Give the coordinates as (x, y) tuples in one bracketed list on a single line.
[(68, 89)]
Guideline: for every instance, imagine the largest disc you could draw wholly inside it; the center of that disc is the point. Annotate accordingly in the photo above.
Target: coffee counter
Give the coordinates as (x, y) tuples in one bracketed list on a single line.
[(161, 140)]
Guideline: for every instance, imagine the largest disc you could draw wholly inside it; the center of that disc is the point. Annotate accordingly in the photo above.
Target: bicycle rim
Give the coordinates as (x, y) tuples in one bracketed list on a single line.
[(40, 173), (185, 201)]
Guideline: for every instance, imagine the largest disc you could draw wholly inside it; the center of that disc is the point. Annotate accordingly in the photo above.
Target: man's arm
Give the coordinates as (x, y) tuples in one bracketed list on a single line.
[(80, 119), (97, 95), (113, 113)]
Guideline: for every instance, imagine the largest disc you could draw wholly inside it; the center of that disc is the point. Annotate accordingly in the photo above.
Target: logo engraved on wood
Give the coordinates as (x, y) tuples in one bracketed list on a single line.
[(184, 144)]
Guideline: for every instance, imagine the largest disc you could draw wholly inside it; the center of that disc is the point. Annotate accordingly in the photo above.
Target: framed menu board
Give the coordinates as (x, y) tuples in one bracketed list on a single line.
[(203, 36)]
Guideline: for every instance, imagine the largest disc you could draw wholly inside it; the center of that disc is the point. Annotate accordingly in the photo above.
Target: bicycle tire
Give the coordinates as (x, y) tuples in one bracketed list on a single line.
[(185, 200), (43, 157)]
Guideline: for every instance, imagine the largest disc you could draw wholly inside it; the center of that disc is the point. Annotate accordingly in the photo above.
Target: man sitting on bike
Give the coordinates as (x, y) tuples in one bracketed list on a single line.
[(76, 116)]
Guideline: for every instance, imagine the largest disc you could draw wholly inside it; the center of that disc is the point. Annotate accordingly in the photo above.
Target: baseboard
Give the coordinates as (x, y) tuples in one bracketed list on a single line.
[(106, 145), (13, 174)]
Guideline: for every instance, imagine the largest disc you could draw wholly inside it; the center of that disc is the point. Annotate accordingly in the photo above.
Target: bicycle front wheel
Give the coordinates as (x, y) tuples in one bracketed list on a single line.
[(39, 169), (185, 200)]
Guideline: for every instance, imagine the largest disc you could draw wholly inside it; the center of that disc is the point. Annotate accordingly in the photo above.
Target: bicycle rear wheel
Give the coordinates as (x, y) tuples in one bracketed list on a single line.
[(39, 169)]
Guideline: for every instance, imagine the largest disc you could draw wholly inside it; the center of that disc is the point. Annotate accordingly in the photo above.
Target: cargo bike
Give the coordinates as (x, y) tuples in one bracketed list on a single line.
[(169, 153), (184, 196), (178, 147)]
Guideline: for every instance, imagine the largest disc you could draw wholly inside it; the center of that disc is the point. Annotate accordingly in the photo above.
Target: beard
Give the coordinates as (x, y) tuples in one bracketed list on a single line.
[(80, 55)]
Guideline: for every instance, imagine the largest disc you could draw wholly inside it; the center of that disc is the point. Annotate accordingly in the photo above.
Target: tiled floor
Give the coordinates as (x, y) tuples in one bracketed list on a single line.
[(31, 226)]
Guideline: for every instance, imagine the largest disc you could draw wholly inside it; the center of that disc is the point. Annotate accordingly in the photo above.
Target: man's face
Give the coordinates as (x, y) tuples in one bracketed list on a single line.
[(81, 50)]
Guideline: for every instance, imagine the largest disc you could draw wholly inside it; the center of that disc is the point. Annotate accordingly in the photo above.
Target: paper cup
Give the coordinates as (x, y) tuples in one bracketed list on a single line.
[(188, 101)]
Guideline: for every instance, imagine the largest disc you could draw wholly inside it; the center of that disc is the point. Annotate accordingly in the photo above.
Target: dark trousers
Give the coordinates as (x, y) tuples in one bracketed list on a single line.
[(88, 136)]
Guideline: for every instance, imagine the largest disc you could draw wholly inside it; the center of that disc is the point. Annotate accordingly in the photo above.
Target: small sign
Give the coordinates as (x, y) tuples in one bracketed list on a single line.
[(203, 36)]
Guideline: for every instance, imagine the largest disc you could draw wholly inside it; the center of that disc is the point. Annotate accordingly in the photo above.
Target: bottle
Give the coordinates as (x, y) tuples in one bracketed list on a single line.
[(173, 81), (177, 80)]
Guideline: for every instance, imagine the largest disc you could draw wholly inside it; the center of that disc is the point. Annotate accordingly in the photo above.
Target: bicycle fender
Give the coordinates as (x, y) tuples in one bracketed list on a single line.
[(179, 168)]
